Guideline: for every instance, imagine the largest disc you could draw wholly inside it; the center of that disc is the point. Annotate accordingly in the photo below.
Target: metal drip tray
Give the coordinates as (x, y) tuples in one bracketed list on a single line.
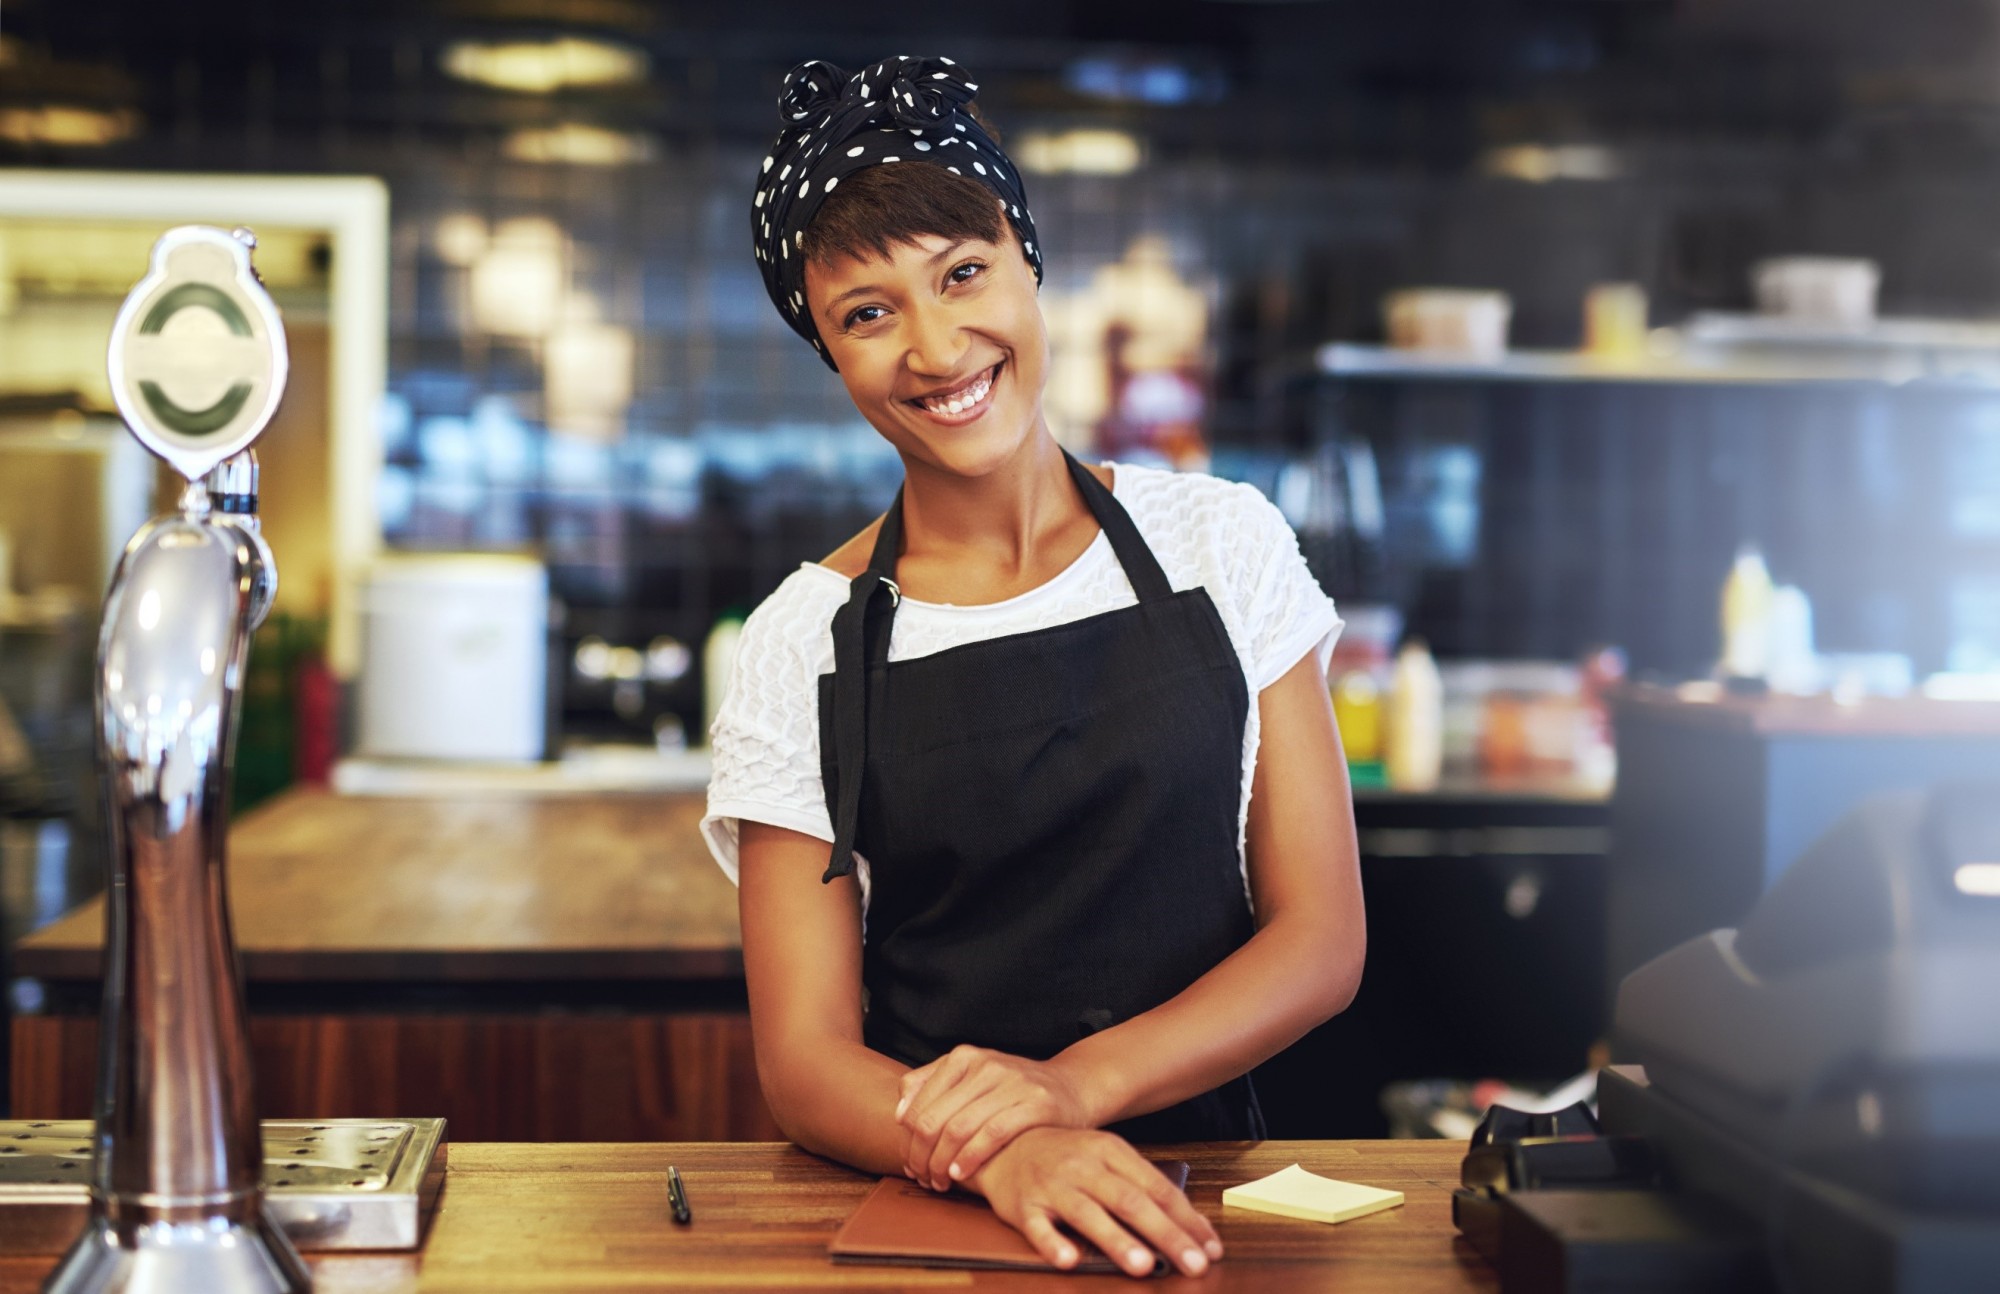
[(331, 1184)]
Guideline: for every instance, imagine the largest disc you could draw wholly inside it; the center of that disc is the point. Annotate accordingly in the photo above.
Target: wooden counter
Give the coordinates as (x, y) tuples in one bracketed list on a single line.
[(531, 1218), (533, 969), (334, 888)]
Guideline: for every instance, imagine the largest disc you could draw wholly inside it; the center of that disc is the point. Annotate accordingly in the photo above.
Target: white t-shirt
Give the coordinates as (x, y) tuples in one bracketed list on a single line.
[(1206, 532)]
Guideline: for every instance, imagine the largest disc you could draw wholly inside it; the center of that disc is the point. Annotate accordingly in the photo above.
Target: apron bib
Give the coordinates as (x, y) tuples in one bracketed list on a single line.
[(1049, 819)]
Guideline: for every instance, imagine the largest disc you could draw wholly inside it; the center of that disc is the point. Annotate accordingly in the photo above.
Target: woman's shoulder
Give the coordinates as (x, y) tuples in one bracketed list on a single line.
[(796, 619), (1197, 512), (851, 558)]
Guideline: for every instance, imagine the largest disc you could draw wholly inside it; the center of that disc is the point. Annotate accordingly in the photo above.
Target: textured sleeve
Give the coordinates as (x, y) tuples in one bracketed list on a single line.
[(1284, 611), (765, 739)]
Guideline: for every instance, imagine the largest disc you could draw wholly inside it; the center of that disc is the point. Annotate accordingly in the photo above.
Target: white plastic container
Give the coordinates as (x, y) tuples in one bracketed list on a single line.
[(718, 667), (1468, 323), (1416, 720), (1834, 290), (454, 658)]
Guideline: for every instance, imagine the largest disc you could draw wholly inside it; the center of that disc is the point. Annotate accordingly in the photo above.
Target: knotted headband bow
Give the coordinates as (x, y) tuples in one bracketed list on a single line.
[(899, 110)]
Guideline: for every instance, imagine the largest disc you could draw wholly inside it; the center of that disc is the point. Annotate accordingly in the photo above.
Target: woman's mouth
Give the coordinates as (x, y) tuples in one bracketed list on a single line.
[(961, 404)]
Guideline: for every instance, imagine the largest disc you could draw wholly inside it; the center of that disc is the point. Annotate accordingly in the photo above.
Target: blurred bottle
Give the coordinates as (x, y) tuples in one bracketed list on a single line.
[(315, 719), (1604, 670), (1747, 597), (1792, 665), (1357, 712), (718, 663), (1614, 321), (1360, 675), (1416, 719)]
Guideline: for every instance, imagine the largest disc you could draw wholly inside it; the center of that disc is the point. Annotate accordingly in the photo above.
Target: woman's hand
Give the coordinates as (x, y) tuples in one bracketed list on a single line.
[(1096, 1184), (960, 1109)]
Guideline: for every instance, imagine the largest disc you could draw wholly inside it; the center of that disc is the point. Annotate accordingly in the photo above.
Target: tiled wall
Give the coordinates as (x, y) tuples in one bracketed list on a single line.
[(1585, 514)]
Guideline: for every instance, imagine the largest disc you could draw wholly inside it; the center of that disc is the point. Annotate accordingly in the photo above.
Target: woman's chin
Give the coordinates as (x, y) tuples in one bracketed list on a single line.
[(975, 450)]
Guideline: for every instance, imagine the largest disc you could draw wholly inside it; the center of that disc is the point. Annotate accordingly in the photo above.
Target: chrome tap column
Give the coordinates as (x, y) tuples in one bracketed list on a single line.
[(197, 365)]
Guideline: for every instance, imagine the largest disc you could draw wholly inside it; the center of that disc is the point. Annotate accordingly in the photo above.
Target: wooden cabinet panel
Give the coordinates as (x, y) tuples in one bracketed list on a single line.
[(548, 1076)]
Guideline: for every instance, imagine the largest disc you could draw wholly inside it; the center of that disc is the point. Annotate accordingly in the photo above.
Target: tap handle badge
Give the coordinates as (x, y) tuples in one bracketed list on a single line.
[(197, 356)]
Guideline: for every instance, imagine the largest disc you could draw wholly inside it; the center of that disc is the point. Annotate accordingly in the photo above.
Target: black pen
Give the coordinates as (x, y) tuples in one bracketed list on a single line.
[(678, 1197)]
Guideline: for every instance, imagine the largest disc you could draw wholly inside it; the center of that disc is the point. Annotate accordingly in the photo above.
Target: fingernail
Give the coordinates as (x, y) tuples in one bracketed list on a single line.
[(955, 1173), (1194, 1261), (1065, 1255), (1214, 1248), (1139, 1260), (901, 1106)]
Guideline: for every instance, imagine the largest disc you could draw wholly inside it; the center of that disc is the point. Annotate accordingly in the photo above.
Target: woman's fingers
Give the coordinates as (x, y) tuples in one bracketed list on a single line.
[(926, 1118), (936, 1077), (913, 1083), (1170, 1200), (992, 1136), (948, 1150), (1153, 1215), (1048, 1240), (1095, 1224), (1095, 1184)]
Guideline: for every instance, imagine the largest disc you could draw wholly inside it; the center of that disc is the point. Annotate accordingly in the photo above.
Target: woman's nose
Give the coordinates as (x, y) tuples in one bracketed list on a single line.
[(937, 343)]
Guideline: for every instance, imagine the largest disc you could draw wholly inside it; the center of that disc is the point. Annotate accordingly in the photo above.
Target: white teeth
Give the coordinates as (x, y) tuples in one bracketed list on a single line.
[(958, 404)]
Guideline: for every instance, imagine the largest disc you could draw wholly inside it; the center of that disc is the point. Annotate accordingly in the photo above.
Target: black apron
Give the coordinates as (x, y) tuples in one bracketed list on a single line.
[(1049, 819)]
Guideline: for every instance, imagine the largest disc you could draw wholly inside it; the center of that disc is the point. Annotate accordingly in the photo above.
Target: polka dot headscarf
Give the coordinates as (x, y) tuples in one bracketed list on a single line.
[(899, 110)]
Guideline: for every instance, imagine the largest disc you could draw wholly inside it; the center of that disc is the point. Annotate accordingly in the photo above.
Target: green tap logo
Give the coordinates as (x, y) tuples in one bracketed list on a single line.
[(200, 340), (197, 355)]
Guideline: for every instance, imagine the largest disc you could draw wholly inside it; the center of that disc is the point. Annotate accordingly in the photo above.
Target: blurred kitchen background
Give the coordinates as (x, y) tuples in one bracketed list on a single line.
[(1584, 343)]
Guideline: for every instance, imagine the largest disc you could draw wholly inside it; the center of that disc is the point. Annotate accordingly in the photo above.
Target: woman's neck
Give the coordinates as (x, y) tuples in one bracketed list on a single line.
[(971, 540)]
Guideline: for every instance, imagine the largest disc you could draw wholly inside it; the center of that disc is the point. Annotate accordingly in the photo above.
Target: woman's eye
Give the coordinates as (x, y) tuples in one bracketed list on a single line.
[(964, 273), (863, 315)]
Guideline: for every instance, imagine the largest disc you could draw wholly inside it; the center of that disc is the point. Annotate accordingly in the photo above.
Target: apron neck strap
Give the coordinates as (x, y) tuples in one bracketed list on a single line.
[(1141, 567)]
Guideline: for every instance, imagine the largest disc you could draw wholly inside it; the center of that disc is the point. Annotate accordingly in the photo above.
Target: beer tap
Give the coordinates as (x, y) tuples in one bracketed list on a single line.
[(197, 363)]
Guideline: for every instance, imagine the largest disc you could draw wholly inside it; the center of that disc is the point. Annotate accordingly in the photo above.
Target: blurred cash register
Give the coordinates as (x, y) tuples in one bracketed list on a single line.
[(1819, 1107)]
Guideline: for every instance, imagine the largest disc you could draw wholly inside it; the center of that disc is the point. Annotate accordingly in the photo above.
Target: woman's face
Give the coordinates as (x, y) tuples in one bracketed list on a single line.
[(941, 346)]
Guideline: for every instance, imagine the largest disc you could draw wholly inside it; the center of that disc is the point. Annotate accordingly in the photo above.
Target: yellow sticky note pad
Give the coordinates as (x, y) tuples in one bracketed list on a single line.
[(1296, 1193)]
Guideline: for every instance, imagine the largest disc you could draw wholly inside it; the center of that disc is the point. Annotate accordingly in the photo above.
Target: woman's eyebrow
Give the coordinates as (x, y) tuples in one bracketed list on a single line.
[(948, 251), (865, 289)]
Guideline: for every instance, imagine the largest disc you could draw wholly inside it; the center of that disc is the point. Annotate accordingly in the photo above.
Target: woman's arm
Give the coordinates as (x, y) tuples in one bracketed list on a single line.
[(834, 1096), (802, 958), (1302, 966)]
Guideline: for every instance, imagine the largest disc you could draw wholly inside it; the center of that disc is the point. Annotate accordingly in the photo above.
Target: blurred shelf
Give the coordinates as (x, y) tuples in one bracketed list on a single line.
[(1548, 788), (589, 771), (1718, 350)]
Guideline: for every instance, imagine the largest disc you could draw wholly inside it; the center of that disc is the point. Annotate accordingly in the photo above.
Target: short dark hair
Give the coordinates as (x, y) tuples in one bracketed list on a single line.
[(900, 202)]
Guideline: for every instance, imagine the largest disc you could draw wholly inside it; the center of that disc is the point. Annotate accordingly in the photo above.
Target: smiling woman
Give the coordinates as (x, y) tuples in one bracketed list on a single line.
[(1032, 788)]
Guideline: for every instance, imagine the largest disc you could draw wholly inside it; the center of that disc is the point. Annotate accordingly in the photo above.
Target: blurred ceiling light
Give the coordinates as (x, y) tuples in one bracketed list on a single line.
[(1982, 879), (1540, 163), (517, 284), (541, 67), (587, 380), (578, 145), (1141, 80), (67, 127), (460, 238), (1079, 152)]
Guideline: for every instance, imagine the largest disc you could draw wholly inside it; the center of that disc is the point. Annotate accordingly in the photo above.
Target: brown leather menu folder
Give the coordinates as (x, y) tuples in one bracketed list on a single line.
[(903, 1224)]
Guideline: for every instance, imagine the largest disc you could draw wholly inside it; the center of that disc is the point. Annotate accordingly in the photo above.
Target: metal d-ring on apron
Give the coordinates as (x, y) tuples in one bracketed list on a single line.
[(1049, 818)]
